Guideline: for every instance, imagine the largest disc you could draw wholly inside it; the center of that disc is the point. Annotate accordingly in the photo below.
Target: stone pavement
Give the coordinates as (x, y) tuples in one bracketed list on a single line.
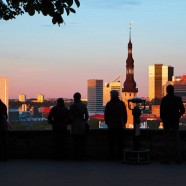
[(89, 173)]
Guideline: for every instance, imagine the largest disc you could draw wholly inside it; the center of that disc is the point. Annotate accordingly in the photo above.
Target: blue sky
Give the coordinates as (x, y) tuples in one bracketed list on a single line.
[(38, 57)]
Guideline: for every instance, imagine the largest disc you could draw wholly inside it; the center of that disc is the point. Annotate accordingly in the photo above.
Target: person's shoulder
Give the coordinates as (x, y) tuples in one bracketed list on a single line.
[(163, 98), (54, 107), (121, 102), (83, 103), (108, 103), (79, 103), (178, 98)]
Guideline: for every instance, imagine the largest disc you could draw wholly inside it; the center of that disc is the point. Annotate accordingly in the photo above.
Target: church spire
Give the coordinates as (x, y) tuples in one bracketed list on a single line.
[(129, 84), (130, 27)]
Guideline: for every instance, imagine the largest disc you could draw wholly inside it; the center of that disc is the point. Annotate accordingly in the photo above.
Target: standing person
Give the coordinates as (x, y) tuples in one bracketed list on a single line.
[(115, 117), (171, 109), (79, 118), (3, 131), (59, 117)]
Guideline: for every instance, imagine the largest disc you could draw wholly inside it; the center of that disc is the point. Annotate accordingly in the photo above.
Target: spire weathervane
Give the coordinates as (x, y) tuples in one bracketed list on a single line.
[(130, 27)]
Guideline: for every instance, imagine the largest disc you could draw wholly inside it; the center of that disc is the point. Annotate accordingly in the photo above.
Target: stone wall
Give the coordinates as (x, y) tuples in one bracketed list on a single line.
[(38, 144)]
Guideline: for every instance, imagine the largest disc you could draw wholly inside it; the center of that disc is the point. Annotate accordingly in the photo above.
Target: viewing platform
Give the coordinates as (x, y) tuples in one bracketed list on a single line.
[(89, 173), (30, 162)]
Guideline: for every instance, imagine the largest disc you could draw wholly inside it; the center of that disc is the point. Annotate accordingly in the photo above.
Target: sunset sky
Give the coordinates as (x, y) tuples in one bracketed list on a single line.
[(41, 58)]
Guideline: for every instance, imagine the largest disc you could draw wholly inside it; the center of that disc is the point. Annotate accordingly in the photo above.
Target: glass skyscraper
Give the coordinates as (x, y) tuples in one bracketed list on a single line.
[(95, 96), (159, 75)]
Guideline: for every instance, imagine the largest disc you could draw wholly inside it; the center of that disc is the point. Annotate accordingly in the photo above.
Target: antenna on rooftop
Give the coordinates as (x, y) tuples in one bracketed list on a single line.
[(118, 77)]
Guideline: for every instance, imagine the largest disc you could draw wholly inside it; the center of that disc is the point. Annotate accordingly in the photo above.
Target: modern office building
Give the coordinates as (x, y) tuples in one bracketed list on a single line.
[(22, 98), (180, 86), (129, 89), (95, 96), (180, 89), (4, 90), (108, 87), (179, 83), (40, 98), (159, 75)]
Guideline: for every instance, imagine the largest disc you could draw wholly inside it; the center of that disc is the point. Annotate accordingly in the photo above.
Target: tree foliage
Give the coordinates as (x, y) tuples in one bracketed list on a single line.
[(10, 9)]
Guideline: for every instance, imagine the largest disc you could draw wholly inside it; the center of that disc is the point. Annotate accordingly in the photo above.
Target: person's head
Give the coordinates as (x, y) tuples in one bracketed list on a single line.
[(60, 102), (114, 94), (77, 96), (170, 89)]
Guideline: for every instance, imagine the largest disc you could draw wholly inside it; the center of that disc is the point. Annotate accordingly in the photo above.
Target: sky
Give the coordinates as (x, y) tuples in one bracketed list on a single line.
[(38, 57)]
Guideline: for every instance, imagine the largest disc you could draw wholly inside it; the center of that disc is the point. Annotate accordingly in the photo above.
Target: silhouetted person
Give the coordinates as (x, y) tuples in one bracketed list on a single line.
[(59, 118), (116, 118), (79, 117), (3, 131), (171, 109)]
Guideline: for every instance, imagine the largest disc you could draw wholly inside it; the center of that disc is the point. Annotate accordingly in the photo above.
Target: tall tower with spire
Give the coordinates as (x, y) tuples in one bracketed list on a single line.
[(129, 89)]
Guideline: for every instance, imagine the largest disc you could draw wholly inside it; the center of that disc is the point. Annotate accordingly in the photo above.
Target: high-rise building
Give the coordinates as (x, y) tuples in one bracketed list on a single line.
[(159, 75), (180, 89), (40, 98), (179, 83), (4, 90), (129, 89), (95, 96), (22, 98), (108, 87)]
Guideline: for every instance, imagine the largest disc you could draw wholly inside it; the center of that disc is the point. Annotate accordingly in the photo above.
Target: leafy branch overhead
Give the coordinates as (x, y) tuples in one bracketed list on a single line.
[(9, 9)]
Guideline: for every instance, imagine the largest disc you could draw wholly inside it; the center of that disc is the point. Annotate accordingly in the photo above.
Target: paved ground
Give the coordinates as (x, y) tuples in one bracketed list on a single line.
[(89, 173)]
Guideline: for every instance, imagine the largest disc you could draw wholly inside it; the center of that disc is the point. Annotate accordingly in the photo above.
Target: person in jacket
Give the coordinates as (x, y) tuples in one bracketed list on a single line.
[(59, 117), (79, 118), (171, 109), (115, 117), (3, 131)]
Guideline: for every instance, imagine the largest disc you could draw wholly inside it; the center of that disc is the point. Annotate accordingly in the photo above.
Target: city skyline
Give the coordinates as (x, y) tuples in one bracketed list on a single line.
[(38, 57)]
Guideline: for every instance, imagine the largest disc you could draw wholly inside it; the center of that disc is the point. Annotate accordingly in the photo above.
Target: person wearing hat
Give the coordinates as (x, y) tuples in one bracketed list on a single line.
[(115, 117)]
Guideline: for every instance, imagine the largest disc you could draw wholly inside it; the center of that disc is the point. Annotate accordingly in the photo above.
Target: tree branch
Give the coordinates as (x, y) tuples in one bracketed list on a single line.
[(10, 9)]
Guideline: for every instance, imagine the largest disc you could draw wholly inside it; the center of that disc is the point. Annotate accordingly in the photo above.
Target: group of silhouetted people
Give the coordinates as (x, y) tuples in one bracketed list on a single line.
[(77, 116), (115, 115), (171, 109)]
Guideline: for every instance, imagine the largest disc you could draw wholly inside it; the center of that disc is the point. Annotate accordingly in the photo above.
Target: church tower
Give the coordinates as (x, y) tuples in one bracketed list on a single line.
[(129, 89)]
